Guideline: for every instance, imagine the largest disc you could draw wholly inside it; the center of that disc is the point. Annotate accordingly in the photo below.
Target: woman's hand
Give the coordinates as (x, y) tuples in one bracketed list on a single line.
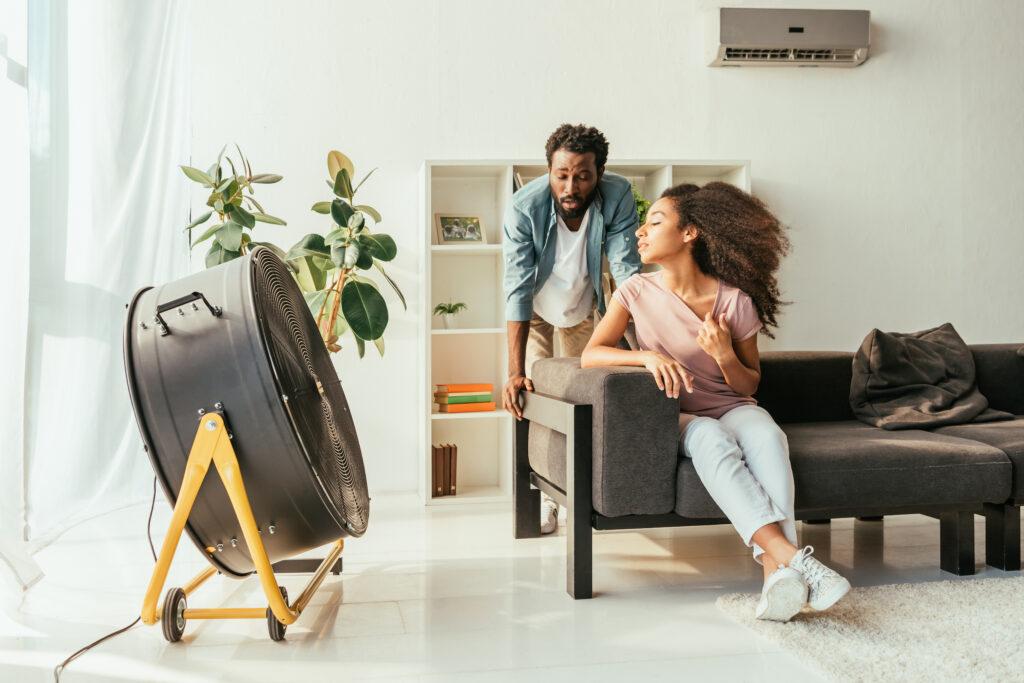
[(715, 338), (670, 375)]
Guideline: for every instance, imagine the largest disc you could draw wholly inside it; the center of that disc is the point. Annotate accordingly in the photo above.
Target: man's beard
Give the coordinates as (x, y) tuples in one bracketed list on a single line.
[(580, 209)]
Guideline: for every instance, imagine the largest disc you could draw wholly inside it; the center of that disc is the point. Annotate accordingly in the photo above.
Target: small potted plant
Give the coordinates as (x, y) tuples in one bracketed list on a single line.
[(448, 311)]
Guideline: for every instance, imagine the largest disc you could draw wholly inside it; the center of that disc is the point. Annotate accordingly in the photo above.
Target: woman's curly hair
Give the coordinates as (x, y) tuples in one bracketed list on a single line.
[(738, 240)]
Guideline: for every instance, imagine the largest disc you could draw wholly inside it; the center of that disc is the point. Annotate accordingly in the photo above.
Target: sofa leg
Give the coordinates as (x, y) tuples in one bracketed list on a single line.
[(525, 500), (1002, 536), (956, 542), (818, 521), (579, 494), (872, 518)]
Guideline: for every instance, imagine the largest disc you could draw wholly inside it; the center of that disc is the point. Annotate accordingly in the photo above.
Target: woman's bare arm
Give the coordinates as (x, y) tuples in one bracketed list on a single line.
[(602, 349), (670, 376)]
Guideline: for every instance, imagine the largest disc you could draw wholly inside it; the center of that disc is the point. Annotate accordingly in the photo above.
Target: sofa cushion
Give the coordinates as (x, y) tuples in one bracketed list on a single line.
[(806, 386), (1000, 374), (1006, 436), (851, 465)]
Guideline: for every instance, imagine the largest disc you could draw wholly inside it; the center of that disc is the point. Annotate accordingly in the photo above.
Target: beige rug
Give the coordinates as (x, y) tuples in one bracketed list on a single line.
[(959, 630)]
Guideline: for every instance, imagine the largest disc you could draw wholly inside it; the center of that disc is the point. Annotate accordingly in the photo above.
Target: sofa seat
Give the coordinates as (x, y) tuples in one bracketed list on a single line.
[(1006, 435), (848, 464)]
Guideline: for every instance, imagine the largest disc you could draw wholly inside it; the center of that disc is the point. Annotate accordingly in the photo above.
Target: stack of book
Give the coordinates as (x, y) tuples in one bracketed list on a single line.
[(464, 398), (444, 468)]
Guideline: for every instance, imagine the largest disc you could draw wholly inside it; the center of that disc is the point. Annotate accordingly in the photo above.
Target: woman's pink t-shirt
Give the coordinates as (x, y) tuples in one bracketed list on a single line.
[(668, 326)]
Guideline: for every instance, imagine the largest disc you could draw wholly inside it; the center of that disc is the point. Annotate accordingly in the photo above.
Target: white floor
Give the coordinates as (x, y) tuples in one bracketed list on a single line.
[(445, 593)]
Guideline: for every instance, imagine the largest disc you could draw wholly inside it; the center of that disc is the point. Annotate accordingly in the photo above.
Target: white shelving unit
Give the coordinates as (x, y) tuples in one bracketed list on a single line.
[(476, 351)]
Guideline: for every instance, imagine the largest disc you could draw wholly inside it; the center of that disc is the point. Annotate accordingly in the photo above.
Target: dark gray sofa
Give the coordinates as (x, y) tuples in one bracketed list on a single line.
[(604, 442)]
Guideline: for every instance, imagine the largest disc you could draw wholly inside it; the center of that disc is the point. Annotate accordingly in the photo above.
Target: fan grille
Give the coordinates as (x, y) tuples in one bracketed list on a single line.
[(311, 390)]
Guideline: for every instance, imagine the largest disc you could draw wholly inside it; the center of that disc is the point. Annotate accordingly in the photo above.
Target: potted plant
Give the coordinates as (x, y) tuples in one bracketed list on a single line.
[(236, 211), (448, 311), (329, 267), (642, 205)]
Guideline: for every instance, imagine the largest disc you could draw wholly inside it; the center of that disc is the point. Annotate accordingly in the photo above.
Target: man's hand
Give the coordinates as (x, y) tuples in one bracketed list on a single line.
[(670, 375), (715, 338), (510, 395)]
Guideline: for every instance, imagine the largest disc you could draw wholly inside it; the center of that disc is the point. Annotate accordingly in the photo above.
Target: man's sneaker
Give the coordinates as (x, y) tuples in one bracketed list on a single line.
[(784, 594), (548, 516), (825, 587)]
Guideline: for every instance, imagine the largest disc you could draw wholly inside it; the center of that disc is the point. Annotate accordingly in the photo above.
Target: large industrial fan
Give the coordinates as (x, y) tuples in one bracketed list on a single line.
[(226, 368)]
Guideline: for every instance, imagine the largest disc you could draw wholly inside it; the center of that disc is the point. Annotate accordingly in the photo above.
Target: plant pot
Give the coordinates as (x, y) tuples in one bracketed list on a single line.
[(449, 321)]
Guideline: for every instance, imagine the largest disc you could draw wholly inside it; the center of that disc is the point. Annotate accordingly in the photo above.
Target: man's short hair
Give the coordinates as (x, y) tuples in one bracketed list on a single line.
[(579, 139)]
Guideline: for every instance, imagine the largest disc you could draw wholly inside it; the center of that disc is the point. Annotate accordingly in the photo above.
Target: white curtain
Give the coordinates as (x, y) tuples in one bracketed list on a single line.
[(17, 570), (108, 85)]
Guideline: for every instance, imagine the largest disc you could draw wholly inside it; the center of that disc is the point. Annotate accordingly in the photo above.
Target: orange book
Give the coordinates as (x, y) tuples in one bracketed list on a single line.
[(463, 388), (466, 407)]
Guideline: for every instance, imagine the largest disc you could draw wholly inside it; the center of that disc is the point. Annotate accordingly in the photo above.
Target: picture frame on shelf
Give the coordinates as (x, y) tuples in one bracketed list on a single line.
[(450, 228)]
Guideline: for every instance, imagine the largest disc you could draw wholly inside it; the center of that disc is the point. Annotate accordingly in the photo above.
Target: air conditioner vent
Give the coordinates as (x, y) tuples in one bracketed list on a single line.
[(742, 36)]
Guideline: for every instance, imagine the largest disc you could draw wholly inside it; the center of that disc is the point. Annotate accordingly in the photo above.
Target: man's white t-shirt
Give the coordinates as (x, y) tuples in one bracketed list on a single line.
[(567, 297)]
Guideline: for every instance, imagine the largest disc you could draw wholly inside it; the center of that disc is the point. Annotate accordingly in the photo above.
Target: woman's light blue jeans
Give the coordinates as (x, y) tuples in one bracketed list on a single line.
[(742, 458)]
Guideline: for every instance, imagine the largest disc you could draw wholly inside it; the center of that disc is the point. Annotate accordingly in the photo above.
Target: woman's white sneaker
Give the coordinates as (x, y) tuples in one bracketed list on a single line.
[(784, 594), (825, 586)]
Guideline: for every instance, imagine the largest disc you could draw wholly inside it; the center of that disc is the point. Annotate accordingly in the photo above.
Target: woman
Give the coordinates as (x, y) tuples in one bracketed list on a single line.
[(696, 323)]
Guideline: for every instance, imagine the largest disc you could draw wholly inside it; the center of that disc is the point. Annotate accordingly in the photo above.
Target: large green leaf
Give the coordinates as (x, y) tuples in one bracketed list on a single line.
[(314, 300), (230, 236), (199, 221), (210, 232), (369, 211), (231, 194), (266, 218), (341, 212), (310, 273), (337, 161), (382, 246), (198, 176), (338, 254), (310, 245), (391, 282), (365, 309), (364, 259), (322, 207), (336, 235), (356, 220), (266, 178), (240, 215), (361, 346), (218, 255), (343, 185), (379, 343), (224, 185)]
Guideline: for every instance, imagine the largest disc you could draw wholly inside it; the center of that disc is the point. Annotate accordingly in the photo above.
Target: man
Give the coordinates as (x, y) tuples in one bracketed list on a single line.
[(557, 230)]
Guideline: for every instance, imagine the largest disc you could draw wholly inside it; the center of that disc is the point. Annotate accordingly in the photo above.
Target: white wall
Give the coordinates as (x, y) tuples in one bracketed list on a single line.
[(902, 180)]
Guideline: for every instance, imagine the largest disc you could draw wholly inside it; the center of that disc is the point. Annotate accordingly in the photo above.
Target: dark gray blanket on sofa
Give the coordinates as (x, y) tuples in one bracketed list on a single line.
[(917, 380)]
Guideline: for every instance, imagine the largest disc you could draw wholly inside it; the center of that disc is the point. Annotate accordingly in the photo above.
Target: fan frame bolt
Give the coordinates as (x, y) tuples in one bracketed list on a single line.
[(272, 529)]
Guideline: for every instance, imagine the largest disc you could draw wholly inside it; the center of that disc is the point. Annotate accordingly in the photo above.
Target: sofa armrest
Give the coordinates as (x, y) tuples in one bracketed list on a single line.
[(635, 435)]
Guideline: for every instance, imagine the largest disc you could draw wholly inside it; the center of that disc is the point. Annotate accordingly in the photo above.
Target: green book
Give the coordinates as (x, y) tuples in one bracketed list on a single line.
[(472, 398)]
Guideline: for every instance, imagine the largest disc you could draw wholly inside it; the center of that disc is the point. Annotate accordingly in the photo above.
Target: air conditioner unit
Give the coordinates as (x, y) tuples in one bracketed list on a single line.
[(741, 36)]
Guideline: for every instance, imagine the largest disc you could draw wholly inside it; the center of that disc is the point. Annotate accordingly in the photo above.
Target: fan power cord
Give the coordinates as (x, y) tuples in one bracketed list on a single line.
[(59, 669)]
